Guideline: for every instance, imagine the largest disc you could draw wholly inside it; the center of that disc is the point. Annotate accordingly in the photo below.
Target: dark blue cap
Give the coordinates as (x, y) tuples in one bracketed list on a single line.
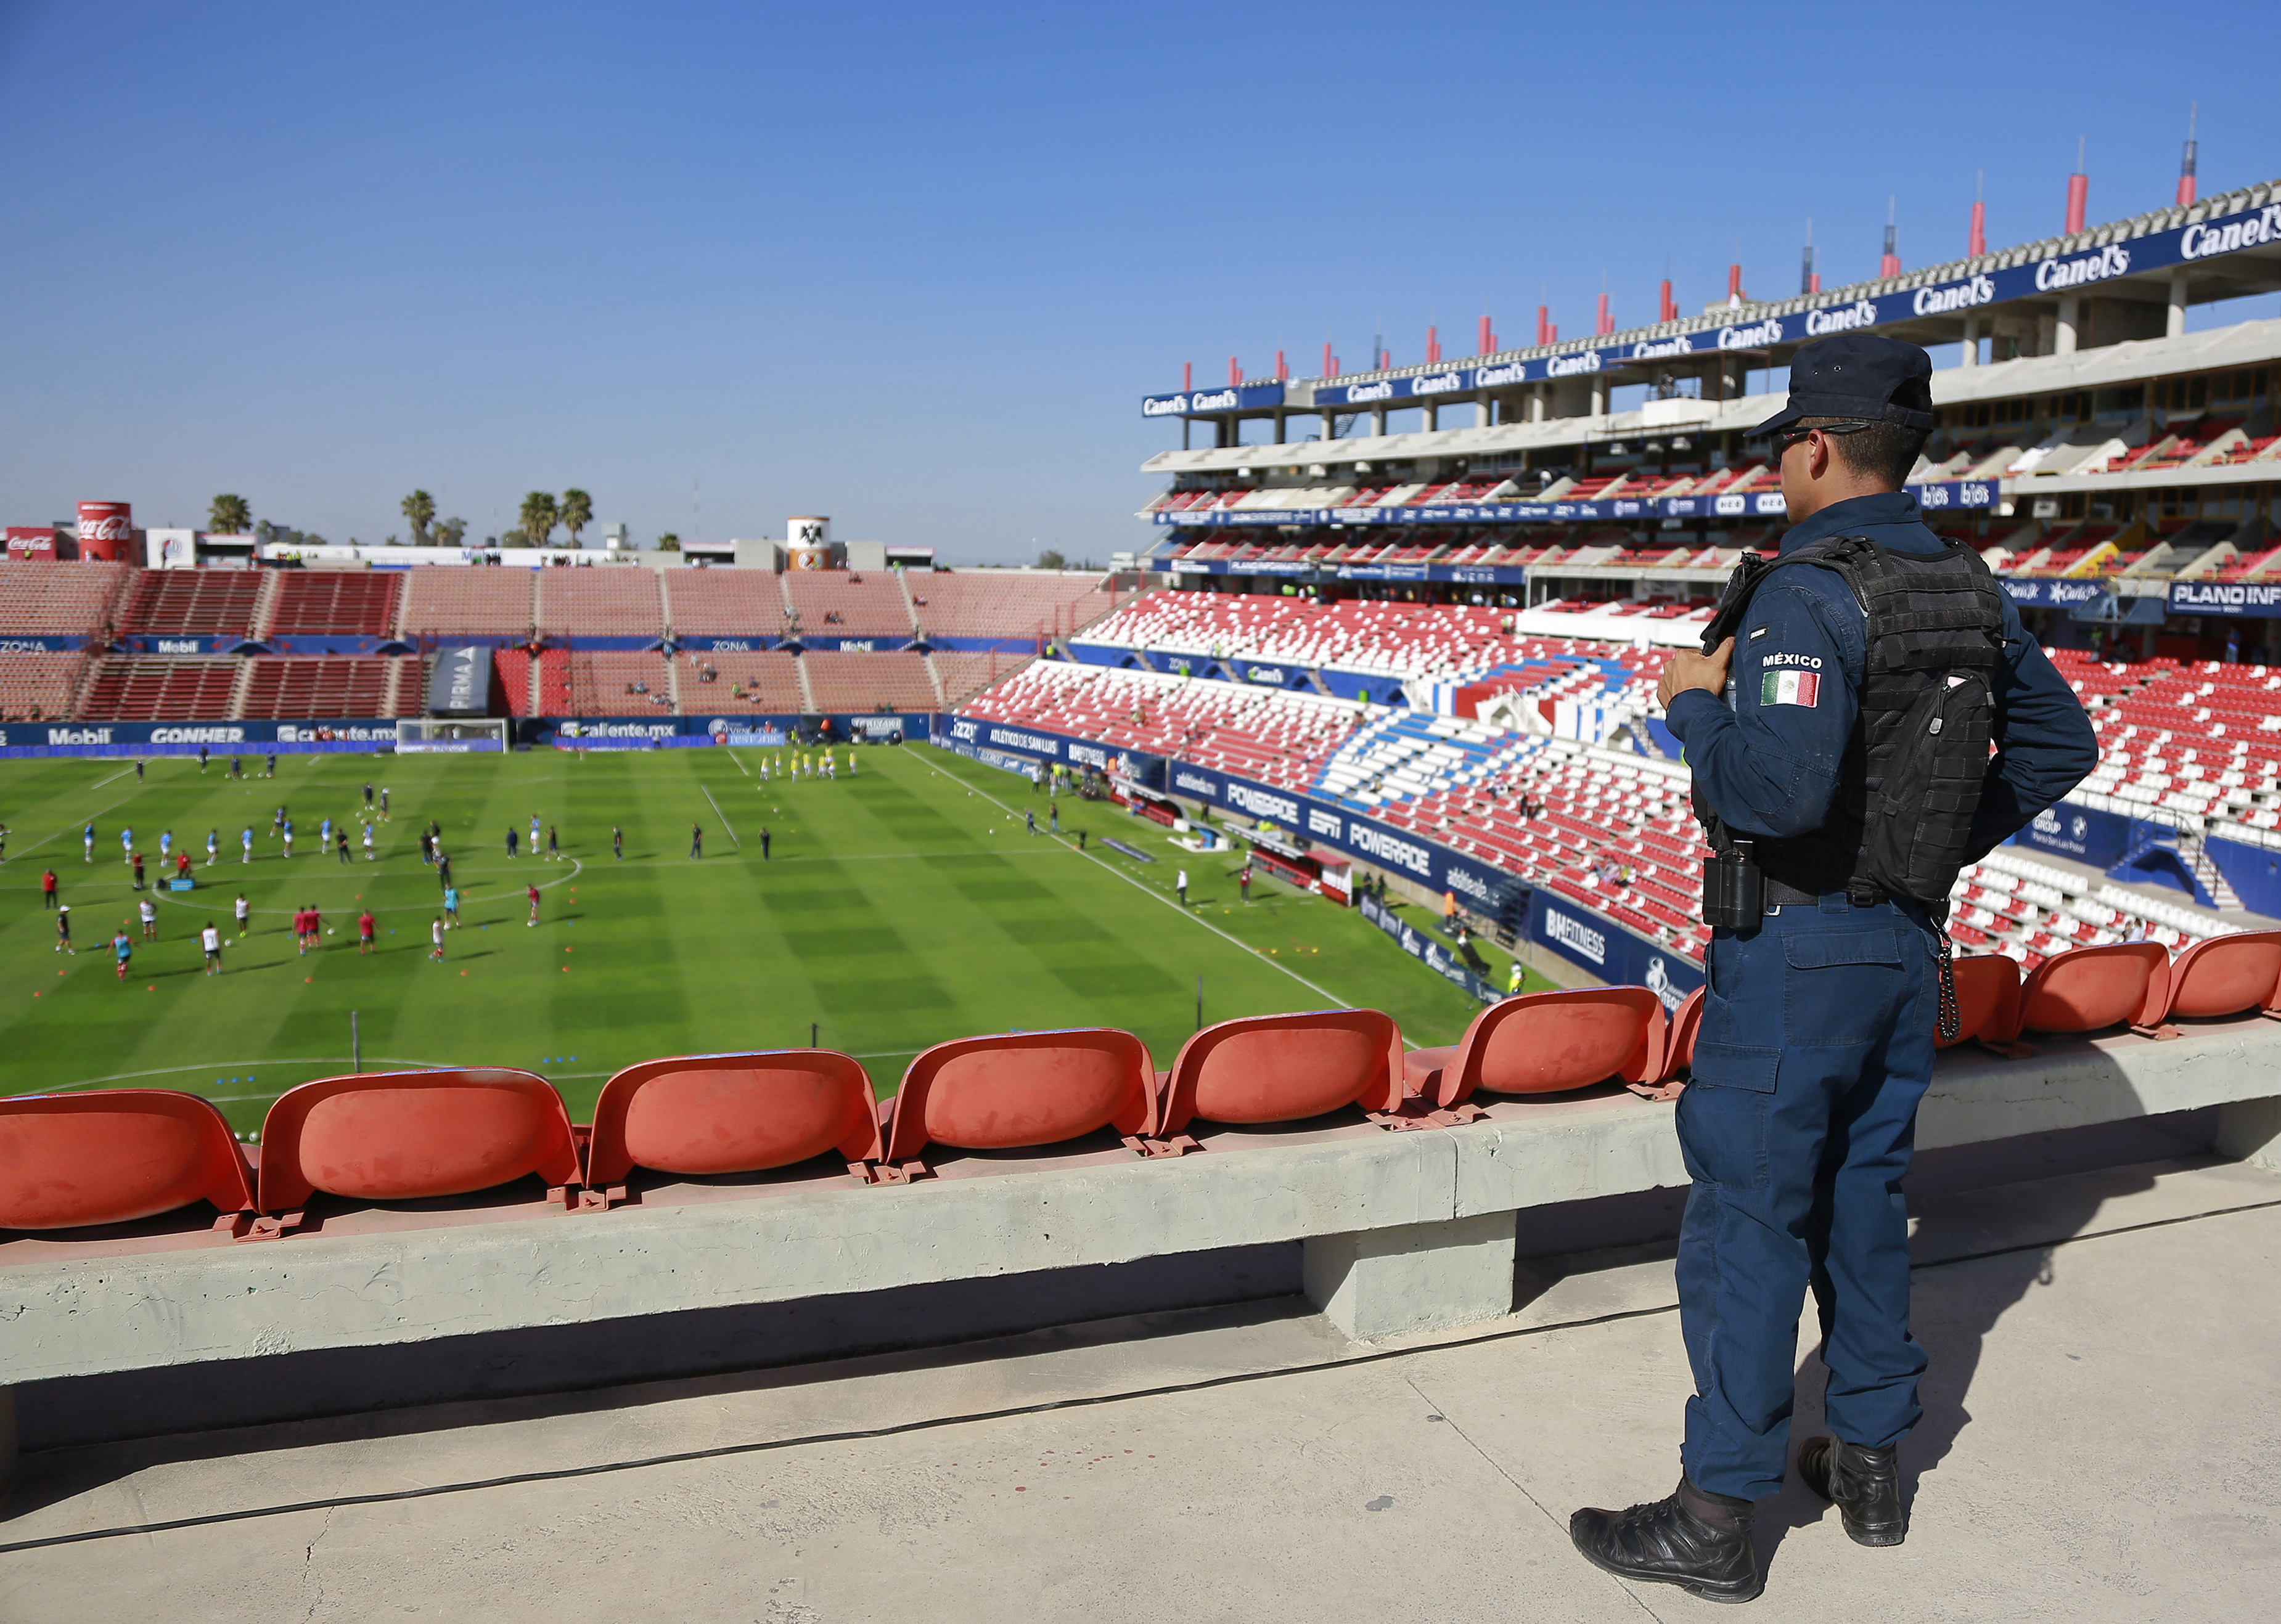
[(1858, 375)]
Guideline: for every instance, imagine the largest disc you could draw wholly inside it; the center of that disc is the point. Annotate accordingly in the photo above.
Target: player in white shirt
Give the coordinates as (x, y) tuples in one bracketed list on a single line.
[(149, 910), (244, 915), (209, 939)]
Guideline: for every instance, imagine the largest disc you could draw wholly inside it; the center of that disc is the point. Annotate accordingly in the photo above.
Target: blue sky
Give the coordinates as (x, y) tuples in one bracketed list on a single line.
[(914, 266)]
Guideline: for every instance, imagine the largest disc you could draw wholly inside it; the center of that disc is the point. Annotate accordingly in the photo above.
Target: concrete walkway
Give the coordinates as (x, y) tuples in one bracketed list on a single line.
[(2103, 1441)]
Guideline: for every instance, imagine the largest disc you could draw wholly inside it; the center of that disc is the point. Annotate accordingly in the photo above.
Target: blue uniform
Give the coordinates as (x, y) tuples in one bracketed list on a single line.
[(1816, 1042)]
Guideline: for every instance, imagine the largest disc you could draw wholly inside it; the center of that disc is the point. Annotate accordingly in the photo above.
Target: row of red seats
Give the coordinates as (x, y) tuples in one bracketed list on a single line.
[(115, 1156)]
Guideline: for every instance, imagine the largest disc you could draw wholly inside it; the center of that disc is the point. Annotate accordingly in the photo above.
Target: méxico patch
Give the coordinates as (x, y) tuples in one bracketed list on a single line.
[(1790, 688)]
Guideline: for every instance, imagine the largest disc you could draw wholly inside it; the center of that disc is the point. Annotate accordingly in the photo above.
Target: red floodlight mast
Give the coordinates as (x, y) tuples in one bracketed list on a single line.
[(2078, 192), (2186, 165), (1975, 241)]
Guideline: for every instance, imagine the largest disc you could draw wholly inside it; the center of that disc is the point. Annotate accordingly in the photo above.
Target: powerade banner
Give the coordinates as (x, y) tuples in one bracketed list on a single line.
[(2233, 599), (1609, 951), (2083, 267), (1435, 956)]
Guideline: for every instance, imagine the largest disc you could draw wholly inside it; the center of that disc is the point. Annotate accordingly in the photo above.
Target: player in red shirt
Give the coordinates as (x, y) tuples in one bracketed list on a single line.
[(533, 920), (365, 928)]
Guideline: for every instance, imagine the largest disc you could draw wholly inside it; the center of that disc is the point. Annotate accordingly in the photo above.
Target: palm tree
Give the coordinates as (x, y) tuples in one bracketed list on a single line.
[(229, 516), (420, 510), (540, 516), (669, 543), (576, 512), (451, 532)]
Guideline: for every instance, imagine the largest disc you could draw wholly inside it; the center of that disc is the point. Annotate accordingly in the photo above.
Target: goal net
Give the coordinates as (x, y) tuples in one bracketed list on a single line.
[(451, 734)]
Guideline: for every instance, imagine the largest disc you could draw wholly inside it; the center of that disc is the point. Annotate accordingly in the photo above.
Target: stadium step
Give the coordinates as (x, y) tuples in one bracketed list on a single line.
[(806, 686), (241, 688), (265, 605)]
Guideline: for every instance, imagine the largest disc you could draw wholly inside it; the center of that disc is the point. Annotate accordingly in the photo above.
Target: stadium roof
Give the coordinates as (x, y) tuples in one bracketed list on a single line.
[(2249, 343), (2228, 245)]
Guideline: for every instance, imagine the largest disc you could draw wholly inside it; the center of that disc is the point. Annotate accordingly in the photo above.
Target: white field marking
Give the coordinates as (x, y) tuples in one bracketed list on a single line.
[(1166, 901), (717, 812), (741, 768), (90, 818)]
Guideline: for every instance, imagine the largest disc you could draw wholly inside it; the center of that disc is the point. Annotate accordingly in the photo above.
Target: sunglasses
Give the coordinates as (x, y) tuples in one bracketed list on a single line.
[(1785, 438)]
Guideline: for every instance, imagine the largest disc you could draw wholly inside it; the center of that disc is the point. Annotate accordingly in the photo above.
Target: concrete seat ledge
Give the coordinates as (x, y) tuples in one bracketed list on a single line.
[(1402, 1232)]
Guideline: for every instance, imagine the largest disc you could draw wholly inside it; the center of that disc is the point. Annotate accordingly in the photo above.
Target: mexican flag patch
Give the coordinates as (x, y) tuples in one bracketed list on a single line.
[(1790, 688)]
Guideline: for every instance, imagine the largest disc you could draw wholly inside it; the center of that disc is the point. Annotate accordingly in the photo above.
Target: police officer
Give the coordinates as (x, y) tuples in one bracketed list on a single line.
[(1869, 654)]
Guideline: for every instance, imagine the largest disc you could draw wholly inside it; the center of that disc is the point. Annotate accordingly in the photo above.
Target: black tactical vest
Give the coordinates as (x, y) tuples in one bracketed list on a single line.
[(1912, 773)]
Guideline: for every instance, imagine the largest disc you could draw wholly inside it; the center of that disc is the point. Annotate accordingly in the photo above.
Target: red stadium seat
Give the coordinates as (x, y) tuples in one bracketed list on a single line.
[(717, 1113), (1678, 1050), (2090, 988), (1545, 1042), (2228, 975), (1282, 1068), (1022, 1088), (409, 1137), (1987, 1001), (111, 1156)]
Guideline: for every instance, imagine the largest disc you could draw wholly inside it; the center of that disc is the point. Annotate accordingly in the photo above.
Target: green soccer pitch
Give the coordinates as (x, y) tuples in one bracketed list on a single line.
[(899, 907)]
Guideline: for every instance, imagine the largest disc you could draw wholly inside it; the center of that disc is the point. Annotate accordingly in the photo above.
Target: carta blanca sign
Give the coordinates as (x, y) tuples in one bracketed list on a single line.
[(2051, 274), (2242, 599)]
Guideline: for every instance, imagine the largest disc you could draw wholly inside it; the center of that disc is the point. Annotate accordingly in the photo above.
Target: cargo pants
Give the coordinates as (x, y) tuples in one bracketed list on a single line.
[(1816, 1047)]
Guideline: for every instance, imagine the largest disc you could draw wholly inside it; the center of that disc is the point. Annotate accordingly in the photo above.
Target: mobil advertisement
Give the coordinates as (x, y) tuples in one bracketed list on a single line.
[(188, 738), (1610, 951)]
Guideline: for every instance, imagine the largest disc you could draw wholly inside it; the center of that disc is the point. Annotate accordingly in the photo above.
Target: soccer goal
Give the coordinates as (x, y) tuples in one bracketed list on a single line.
[(451, 734)]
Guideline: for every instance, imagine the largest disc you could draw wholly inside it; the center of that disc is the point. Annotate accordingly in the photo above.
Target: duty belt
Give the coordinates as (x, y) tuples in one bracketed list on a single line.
[(1860, 895)]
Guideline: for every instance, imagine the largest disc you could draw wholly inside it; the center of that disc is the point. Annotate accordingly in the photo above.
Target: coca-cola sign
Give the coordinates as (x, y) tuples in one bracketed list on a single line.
[(106, 529)]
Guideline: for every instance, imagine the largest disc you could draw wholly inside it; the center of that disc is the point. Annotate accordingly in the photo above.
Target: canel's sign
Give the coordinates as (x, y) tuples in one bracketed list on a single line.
[(2053, 272)]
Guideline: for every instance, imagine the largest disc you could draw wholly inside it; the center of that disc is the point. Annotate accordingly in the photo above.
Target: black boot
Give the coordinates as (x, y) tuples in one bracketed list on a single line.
[(1865, 1484), (1698, 1541)]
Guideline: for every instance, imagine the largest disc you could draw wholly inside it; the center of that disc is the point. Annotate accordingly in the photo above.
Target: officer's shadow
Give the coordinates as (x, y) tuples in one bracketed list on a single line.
[(1981, 1243)]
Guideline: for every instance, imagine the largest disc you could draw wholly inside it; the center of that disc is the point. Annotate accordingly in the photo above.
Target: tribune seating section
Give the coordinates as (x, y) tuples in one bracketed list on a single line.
[(318, 686), (71, 1165), (850, 603), (193, 602), (445, 603), (620, 601), (964, 675), (868, 681), (757, 682), (1008, 604), (133, 689), (602, 683), (337, 603), (723, 603), (40, 687), (59, 600), (1271, 734)]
